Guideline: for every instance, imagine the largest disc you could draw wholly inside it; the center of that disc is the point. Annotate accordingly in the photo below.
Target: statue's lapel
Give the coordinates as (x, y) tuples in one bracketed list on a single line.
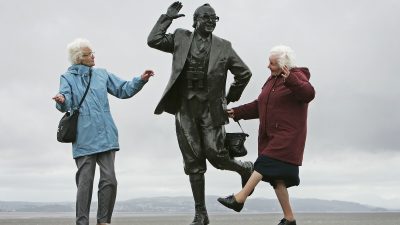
[(215, 51)]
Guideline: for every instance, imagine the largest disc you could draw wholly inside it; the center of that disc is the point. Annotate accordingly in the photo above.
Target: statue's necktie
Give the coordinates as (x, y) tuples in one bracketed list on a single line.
[(202, 47)]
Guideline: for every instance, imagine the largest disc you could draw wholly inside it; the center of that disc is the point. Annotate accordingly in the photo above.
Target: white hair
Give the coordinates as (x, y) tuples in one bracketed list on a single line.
[(284, 54), (75, 49)]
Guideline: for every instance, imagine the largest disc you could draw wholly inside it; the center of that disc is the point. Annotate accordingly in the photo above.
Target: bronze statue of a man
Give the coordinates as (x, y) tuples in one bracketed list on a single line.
[(195, 94)]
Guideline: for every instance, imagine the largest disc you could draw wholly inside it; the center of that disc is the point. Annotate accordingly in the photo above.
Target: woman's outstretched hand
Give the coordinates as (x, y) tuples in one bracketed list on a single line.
[(147, 74), (59, 98)]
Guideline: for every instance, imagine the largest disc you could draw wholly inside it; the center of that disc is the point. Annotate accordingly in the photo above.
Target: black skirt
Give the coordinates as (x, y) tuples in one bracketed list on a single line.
[(273, 170)]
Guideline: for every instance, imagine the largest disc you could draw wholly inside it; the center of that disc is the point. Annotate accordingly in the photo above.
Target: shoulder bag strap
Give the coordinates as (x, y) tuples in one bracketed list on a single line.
[(87, 88), (240, 126)]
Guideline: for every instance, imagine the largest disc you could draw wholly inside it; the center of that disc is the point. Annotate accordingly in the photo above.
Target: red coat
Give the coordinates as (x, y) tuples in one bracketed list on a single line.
[(282, 110)]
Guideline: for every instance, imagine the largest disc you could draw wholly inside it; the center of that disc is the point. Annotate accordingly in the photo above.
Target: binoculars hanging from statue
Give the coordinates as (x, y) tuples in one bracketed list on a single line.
[(195, 76), (195, 79)]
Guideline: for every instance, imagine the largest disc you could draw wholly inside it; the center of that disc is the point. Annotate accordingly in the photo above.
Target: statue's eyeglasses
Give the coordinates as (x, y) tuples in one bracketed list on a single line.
[(208, 17)]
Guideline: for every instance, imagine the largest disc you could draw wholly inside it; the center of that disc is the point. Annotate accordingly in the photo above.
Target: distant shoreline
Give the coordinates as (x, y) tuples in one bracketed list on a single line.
[(26, 215), (184, 205)]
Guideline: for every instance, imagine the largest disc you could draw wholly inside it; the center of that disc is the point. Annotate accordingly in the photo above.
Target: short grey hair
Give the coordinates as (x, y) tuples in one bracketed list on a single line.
[(284, 54), (75, 49)]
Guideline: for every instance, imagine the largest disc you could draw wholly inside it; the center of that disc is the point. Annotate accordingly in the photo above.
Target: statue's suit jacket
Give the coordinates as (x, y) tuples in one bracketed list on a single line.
[(222, 58)]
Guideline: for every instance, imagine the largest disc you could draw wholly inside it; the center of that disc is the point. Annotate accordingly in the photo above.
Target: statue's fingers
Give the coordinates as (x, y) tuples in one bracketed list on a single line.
[(179, 15), (179, 7)]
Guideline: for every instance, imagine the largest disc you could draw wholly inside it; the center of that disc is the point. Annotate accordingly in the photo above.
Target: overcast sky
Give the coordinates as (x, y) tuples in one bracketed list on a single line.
[(351, 48)]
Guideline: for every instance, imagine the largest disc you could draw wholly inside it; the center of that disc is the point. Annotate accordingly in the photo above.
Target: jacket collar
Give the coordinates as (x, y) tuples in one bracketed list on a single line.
[(198, 37), (79, 69)]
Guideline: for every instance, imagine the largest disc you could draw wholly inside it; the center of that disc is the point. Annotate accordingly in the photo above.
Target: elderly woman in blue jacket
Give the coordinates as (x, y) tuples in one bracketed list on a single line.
[(97, 135)]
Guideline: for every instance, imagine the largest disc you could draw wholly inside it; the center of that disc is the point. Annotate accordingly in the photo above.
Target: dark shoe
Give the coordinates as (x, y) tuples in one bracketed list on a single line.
[(287, 222), (200, 219), (231, 203), (246, 176)]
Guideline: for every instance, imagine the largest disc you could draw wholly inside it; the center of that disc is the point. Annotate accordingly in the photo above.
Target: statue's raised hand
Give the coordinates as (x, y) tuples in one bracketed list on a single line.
[(173, 10)]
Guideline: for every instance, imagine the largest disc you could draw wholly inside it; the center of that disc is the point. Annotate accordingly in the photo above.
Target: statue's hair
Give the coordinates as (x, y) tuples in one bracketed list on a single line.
[(285, 56), (75, 49), (196, 14)]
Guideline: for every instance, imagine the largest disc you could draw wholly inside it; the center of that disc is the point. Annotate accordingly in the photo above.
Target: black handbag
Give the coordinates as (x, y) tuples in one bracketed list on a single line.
[(66, 132), (234, 142)]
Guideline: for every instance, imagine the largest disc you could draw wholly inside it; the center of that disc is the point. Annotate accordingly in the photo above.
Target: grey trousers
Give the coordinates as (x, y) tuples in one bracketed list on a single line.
[(107, 187)]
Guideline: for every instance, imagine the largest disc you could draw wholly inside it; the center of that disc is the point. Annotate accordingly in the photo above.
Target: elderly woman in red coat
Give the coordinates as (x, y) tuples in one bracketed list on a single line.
[(282, 110)]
